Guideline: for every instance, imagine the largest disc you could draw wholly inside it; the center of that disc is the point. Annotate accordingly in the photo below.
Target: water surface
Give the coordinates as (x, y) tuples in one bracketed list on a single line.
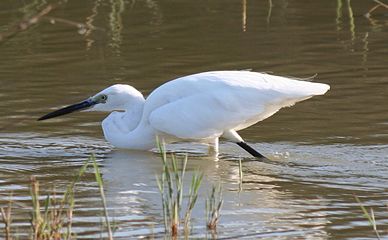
[(324, 151)]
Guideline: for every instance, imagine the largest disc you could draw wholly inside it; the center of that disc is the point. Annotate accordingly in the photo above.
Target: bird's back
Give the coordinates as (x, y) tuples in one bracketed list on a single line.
[(211, 102), (259, 81), (263, 85)]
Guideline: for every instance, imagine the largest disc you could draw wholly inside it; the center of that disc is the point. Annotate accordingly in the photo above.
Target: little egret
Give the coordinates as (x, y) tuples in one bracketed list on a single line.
[(201, 107)]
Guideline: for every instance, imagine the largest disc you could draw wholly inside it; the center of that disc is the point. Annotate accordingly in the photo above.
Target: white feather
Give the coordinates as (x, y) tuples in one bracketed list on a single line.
[(202, 106)]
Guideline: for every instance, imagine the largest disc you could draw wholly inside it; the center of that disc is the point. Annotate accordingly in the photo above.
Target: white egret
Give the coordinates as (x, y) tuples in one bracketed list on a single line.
[(202, 107)]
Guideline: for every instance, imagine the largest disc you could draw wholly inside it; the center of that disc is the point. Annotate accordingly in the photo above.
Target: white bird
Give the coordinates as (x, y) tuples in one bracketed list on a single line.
[(201, 107)]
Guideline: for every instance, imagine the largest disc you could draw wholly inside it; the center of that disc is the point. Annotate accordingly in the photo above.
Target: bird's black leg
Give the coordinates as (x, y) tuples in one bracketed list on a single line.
[(249, 149)]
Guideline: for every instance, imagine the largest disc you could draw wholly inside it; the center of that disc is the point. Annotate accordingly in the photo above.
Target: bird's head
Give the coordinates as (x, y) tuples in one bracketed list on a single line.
[(114, 98)]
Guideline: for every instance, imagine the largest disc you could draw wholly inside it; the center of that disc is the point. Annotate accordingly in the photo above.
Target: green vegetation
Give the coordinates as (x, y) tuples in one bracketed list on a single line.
[(49, 224), (171, 186), (370, 216), (213, 207), (101, 188), (53, 218), (7, 219)]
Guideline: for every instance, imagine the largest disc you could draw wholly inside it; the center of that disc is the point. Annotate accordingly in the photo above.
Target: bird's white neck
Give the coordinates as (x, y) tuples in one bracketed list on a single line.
[(127, 130)]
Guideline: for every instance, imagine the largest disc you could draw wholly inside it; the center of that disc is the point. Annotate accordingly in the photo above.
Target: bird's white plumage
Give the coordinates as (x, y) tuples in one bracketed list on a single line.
[(201, 107), (207, 104)]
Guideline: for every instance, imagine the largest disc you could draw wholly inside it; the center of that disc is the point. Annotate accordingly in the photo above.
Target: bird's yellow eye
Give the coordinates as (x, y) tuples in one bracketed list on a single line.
[(103, 98)]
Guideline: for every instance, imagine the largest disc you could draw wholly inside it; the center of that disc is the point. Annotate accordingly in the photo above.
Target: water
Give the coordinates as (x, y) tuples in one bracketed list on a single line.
[(324, 151)]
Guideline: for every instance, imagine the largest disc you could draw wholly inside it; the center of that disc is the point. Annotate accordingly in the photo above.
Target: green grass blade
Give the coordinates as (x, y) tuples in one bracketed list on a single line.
[(101, 187)]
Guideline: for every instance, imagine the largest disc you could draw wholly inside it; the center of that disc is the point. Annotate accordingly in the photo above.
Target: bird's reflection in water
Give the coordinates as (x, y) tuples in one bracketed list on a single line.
[(131, 188), (272, 195)]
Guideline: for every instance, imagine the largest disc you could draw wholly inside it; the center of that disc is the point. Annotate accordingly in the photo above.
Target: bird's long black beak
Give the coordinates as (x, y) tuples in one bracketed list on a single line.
[(69, 109)]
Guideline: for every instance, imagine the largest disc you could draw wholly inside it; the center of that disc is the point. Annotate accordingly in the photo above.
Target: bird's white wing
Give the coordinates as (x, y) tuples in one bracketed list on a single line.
[(207, 104), (209, 114)]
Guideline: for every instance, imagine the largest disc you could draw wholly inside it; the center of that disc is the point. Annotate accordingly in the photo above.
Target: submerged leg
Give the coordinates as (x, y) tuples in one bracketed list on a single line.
[(249, 149), (233, 136), (213, 147)]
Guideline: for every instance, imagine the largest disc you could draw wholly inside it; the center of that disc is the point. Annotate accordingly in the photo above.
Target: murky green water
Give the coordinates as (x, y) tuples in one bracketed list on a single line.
[(324, 150)]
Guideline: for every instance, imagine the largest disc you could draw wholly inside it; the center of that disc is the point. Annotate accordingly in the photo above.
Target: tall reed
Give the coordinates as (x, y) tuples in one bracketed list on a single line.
[(50, 223), (52, 219), (102, 195), (370, 216), (171, 187), (213, 207), (7, 219)]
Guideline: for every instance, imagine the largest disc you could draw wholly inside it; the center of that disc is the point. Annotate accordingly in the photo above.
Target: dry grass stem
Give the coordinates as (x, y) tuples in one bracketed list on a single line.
[(378, 5), (51, 218), (7, 219)]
